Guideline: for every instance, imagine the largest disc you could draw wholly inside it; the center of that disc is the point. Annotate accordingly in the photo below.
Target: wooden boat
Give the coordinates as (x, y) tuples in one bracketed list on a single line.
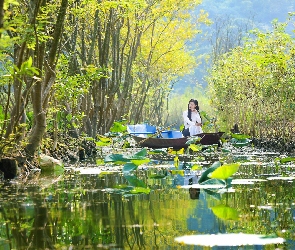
[(147, 136)]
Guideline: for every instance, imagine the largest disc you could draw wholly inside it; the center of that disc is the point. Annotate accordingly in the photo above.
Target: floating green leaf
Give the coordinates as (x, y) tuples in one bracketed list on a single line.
[(141, 153), (204, 176), (128, 167), (225, 171), (176, 171), (225, 212), (101, 143), (138, 162), (287, 159), (104, 139), (195, 148), (240, 136), (140, 190), (116, 158), (196, 167), (99, 161)]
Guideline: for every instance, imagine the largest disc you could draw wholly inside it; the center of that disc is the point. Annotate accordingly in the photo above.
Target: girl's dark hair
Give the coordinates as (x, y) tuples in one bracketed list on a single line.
[(189, 112)]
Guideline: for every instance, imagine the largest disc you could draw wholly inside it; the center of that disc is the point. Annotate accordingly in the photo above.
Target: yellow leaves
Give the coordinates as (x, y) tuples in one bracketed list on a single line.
[(175, 152), (176, 161)]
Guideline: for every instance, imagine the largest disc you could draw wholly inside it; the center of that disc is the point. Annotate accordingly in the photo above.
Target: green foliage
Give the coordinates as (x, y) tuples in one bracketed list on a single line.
[(243, 82), (218, 174), (205, 174), (225, 171), (119, 126), (225, 212)]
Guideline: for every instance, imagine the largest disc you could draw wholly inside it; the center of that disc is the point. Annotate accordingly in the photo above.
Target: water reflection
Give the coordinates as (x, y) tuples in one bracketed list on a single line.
[(88, 211)]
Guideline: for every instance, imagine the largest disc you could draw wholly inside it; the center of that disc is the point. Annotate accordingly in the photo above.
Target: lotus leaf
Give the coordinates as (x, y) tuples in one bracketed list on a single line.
[(116, 158), (140, 190), (195, 147), (225, 171), (128, 167), (138, 162), (225, 212), (204, 176), (118, 127)]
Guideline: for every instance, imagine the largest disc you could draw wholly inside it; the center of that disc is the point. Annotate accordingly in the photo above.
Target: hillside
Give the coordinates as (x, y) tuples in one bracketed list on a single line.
[(231, 21)]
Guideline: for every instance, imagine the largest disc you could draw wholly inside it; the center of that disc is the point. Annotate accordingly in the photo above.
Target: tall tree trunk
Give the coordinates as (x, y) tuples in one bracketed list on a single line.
[(41, 90), (1, 15)]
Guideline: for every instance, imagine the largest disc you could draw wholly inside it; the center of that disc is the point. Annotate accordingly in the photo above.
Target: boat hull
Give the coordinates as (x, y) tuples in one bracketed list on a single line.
[(176, 143)]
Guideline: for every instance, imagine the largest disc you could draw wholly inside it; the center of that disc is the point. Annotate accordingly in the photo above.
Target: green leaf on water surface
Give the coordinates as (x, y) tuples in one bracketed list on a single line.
[(133, 181), (225, 171), (196, 167), (204, 176), (99, 161), (286, 159), (124, 187), (138, 162), (240, 136), (225, 150), (195, 148), (116, 158), (102, 144), (225, 212), (240, 143), (140, 190), (128, 167), (141, 153), (126, 144), (104, 139), (176, 171)]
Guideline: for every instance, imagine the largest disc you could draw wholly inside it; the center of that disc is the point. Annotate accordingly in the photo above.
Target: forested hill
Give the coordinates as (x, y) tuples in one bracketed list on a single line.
[(232, 20)]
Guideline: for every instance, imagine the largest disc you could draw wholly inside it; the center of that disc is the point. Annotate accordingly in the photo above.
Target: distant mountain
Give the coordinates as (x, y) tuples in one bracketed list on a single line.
[(232, 20)]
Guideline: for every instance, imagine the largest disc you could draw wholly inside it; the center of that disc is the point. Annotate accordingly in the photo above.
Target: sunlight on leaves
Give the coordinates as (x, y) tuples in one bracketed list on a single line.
[(225, 212), (118, 127), (205, 174), (116, 158), (129, 167), (176, 161), (141, 153), (175, 152), (176, 171), (140, 190), (225, 171), (195, 148), (138, 162)]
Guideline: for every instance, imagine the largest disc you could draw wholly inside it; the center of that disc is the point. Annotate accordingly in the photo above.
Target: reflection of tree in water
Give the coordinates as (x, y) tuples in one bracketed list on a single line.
[(80, 212), (26, 224)]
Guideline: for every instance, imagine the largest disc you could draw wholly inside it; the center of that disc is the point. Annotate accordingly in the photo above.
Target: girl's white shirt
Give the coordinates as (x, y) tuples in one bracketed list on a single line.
[(196, 118)]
